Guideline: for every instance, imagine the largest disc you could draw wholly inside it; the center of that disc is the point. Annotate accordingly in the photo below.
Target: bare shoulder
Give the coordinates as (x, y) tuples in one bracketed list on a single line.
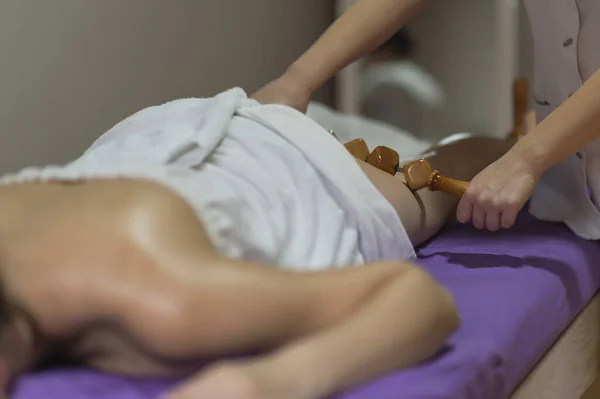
[(138, 213), (95, 242), (155, 217)]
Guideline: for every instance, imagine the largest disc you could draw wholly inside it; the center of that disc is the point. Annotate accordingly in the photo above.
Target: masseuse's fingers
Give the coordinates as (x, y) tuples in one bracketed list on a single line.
[(502, 189), (488, 202), (464, 211), (285, 91), (492, 220), (479, 217), (509, 217)]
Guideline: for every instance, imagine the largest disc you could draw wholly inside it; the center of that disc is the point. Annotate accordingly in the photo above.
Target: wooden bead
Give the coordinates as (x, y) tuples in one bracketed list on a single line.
[(384, 158), (358, 148), (417, 174)]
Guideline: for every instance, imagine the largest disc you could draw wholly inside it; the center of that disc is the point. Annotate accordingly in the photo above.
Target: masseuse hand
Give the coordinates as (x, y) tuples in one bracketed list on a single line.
[(286, 90), (496, 195)]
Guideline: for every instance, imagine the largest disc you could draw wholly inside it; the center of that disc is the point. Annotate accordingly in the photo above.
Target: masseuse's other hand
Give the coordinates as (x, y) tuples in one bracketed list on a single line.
[(286, 90), (496, 195)]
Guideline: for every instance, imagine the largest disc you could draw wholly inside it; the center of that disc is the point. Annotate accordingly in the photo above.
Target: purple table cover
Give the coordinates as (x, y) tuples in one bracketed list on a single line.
[(516, 290)]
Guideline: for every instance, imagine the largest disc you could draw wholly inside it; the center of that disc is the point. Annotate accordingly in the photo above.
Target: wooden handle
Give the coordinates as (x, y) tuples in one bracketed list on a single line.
[(417, 174), (453, 187), (520, 102), (520, 108)]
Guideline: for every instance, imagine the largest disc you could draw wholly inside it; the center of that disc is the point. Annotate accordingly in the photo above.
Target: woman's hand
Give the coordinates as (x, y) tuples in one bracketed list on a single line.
[(496, 195), (289, 89), (364, 26)]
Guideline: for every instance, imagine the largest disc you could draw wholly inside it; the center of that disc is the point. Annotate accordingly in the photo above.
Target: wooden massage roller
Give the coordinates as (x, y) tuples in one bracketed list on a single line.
[(418, 174)]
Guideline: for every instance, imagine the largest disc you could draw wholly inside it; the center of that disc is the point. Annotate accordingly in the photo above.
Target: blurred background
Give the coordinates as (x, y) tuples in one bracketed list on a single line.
[(71, 69)]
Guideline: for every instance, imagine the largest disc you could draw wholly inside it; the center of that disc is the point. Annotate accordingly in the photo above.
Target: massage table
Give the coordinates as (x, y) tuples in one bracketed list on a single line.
[(530, 321)]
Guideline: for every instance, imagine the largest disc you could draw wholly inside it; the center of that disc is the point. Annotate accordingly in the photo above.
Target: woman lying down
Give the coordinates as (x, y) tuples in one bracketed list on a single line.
[(205, 228)]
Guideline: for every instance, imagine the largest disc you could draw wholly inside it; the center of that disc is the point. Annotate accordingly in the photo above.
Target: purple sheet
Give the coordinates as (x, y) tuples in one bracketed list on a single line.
[(516, 291)]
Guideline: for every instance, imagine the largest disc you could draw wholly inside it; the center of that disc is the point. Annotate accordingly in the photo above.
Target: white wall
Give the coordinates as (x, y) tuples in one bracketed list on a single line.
[(70, 69), (455, 40), (471, 47)]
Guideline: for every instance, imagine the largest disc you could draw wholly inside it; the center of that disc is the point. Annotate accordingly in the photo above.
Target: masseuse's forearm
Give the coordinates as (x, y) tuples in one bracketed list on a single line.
[(361, 29), (570, 127)]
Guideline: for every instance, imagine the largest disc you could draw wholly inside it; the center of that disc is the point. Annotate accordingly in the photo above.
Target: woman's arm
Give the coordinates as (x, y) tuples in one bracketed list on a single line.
[(362, 28), (404, 322), (366, 322), (496, 195), (569, 128)]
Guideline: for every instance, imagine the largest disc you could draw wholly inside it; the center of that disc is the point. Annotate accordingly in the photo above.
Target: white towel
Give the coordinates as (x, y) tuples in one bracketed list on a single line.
[(269, 183), (350, 127)]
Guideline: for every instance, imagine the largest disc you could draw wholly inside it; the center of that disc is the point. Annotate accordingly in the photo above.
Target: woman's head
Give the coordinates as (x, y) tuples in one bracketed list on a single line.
[(19, 343)]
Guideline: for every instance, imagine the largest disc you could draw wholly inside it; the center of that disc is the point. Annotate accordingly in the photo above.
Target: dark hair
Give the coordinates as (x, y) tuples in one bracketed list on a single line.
[(400, 43), (7, 310)]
